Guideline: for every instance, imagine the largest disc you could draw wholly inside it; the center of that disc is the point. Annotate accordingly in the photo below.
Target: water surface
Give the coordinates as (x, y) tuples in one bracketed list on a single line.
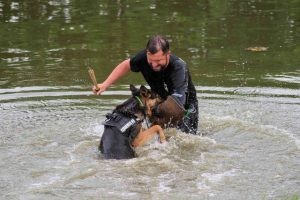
[(248, 143)]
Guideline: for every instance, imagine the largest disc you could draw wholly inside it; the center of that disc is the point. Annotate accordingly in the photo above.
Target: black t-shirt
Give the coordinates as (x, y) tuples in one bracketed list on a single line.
[(174, 80)]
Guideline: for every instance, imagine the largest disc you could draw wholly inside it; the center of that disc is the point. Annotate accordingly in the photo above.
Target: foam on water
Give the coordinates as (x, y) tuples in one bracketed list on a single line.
[(215, 123), (215, 178), (242, 138)]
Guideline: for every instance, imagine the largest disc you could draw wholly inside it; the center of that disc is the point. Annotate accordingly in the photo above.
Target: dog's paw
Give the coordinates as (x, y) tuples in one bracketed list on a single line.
[(162, 140)]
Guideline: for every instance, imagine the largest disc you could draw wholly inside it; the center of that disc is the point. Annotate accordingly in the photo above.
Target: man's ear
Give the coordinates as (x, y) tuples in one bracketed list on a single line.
[(133, 90), (145, 92)]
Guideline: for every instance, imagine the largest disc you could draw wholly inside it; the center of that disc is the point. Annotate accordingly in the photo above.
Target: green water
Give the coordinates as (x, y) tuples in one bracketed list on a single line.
[(52, 42), (249, 101)]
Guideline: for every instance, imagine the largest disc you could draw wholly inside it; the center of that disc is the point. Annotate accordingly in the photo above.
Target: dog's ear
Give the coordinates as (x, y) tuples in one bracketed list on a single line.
[(155, 95), (145, 92), (132, 87), (134, 90)]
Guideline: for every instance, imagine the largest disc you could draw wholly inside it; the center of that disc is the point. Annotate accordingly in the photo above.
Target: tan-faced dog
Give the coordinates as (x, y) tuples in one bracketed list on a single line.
[(123, 127)]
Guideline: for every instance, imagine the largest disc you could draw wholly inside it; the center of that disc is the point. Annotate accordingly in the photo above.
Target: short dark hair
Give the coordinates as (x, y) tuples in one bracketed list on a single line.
[(157, 43)]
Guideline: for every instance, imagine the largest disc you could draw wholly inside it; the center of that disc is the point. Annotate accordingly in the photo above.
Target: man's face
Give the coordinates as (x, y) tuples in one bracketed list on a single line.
[(159, 60)]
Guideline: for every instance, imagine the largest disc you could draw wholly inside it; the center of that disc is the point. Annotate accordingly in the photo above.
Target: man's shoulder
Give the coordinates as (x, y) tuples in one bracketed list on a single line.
[(137, 61), (177, 61), (177, 65), (140, 55)]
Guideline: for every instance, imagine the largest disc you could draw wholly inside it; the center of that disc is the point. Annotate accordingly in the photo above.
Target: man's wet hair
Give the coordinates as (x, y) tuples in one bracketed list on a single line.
[(157, 43)]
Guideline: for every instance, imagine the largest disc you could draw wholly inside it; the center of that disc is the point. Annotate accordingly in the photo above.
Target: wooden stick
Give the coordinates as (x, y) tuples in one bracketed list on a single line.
[(93, 78)]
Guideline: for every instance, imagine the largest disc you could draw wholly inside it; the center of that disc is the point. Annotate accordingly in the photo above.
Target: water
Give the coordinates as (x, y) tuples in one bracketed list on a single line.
[(248, 101)]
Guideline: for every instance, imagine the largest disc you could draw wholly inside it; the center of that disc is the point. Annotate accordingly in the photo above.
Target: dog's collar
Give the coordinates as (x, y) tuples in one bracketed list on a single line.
[(139, 100)]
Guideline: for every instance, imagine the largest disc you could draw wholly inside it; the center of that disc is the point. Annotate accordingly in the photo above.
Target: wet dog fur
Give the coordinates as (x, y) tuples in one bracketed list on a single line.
[(116, 145)]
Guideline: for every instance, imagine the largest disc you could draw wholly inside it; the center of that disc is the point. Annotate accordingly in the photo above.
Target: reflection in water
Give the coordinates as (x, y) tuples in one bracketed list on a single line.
[(248, 100), (289, 77), (245, 133), (209, 35)]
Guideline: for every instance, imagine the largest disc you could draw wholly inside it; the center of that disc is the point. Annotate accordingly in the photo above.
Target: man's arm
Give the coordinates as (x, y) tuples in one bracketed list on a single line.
[(179, 79), (120, 70)]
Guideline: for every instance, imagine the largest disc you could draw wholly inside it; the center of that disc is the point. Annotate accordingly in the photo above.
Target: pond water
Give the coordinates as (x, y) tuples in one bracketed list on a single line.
[(248, 145)]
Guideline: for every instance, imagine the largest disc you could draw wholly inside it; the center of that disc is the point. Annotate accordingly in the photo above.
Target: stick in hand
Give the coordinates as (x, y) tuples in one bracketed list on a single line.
[(93, 77)]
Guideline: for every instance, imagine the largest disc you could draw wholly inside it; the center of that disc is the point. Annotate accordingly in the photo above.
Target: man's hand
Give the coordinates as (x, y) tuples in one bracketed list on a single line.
[(99, 89)]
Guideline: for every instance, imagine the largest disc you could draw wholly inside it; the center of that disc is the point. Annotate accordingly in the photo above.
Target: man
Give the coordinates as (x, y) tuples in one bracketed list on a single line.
[(166, 74)]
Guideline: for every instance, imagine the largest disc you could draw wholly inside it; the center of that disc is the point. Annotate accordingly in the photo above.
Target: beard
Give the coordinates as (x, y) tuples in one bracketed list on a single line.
[(158, 68)]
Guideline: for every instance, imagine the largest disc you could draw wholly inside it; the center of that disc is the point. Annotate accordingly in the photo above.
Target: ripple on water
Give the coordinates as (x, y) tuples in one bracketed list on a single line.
[(245, 133)]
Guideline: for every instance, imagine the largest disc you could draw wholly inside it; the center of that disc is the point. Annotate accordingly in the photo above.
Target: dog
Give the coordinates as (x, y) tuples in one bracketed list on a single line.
[(123, 127)]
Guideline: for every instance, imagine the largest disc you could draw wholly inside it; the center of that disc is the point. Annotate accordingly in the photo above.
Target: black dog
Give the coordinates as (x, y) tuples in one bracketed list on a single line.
[(123, 127)]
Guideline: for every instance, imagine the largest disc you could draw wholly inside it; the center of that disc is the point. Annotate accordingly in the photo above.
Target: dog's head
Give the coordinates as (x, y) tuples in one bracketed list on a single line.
[(148, 98)]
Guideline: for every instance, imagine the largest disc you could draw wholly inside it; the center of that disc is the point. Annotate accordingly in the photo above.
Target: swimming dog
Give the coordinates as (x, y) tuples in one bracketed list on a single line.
[(123, 127)]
